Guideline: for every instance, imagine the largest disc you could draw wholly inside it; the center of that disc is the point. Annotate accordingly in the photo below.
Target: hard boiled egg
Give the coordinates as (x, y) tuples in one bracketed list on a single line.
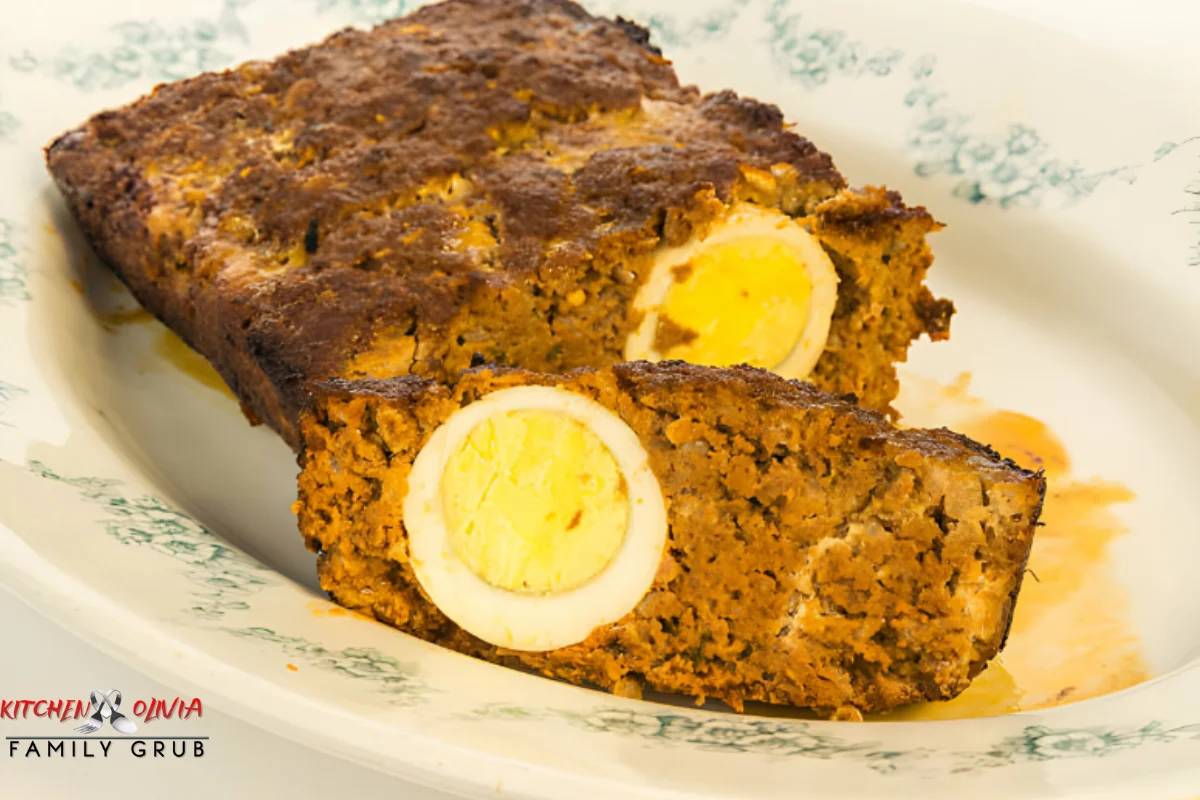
[(758, 289), (533, 517)]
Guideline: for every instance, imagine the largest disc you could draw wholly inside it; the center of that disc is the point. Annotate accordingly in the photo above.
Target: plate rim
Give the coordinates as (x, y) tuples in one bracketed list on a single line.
[(64, 618)]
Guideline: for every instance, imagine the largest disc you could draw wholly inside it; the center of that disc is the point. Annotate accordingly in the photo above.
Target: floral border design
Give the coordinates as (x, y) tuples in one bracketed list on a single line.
[(8, 125), (668, 29), (9, 392), (791, 739), (14, 286), (224, 577), (366, 12), (813, 57), (1042, 743), (144, 50), (1191, 210), (397, 680), (1014, 168), (695, 29), (1166, 148), (718, 733)]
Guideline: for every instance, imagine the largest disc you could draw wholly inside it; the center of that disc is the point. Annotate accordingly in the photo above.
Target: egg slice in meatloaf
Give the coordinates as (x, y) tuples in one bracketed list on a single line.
[(513, 178), (717, 532)]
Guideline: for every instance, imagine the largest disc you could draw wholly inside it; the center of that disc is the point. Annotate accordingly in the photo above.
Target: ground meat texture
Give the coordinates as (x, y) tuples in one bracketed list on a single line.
[(816, 557), (477, 177)]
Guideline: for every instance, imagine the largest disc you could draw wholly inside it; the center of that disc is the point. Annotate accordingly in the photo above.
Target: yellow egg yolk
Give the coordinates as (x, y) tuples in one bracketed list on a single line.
[(745, 300), (534, 502)]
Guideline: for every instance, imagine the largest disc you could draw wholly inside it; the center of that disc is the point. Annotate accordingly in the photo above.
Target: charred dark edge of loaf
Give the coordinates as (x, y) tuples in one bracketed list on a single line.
[(762, 385)]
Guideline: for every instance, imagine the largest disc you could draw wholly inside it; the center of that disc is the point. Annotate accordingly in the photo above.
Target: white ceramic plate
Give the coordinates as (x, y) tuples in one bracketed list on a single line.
[(139, 509)]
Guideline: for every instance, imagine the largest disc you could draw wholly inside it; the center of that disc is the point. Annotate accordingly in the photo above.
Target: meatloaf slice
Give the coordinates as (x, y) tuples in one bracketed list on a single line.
[(814, 555), (494, 177)]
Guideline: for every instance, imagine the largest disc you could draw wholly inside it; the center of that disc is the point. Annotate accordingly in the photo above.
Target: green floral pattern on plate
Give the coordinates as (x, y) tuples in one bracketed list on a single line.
[(1014, 167), (725, 733), (781, 738), (8, 125), (145, 50), (1191, 208), (8, 393), (395, 680), (814, 56), (365, 12), (1043, 743), (224, 577), (14, 286), (672, 32), (1166, 148)]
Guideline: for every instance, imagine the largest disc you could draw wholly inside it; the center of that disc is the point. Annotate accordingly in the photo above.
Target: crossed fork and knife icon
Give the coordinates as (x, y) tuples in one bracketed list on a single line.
[(106, 705)]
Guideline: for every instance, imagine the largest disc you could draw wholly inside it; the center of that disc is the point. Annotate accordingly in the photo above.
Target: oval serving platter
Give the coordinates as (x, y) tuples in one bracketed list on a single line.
[(139, 510)]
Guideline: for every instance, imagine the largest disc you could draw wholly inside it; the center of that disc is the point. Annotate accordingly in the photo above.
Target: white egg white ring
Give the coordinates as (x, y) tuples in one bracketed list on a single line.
[(528, 621), (746, 220)]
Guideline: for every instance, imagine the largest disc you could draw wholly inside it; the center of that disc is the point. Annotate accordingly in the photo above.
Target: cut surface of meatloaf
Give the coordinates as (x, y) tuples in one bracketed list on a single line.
[(480, 177), (813, 554)]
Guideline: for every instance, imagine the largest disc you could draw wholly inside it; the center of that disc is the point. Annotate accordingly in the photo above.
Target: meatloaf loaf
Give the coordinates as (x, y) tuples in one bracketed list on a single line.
[(511, 178), (717, 532)]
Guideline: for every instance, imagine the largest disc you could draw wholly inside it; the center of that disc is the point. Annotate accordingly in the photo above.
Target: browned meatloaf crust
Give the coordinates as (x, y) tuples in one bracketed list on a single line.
[(816, 555), (481, 176)]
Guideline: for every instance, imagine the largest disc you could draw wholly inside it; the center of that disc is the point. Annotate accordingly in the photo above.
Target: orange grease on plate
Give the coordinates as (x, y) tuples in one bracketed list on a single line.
[(125, 316), (293, 667), (323, 610), (169, 348), (1071, 638), (172, 349)]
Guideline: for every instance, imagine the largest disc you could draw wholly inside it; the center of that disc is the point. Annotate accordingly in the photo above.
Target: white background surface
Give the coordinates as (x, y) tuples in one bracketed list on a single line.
[(39, 660)]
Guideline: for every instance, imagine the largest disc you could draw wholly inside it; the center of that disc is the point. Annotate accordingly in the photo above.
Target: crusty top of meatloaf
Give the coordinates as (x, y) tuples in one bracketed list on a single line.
[(375, 183)]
